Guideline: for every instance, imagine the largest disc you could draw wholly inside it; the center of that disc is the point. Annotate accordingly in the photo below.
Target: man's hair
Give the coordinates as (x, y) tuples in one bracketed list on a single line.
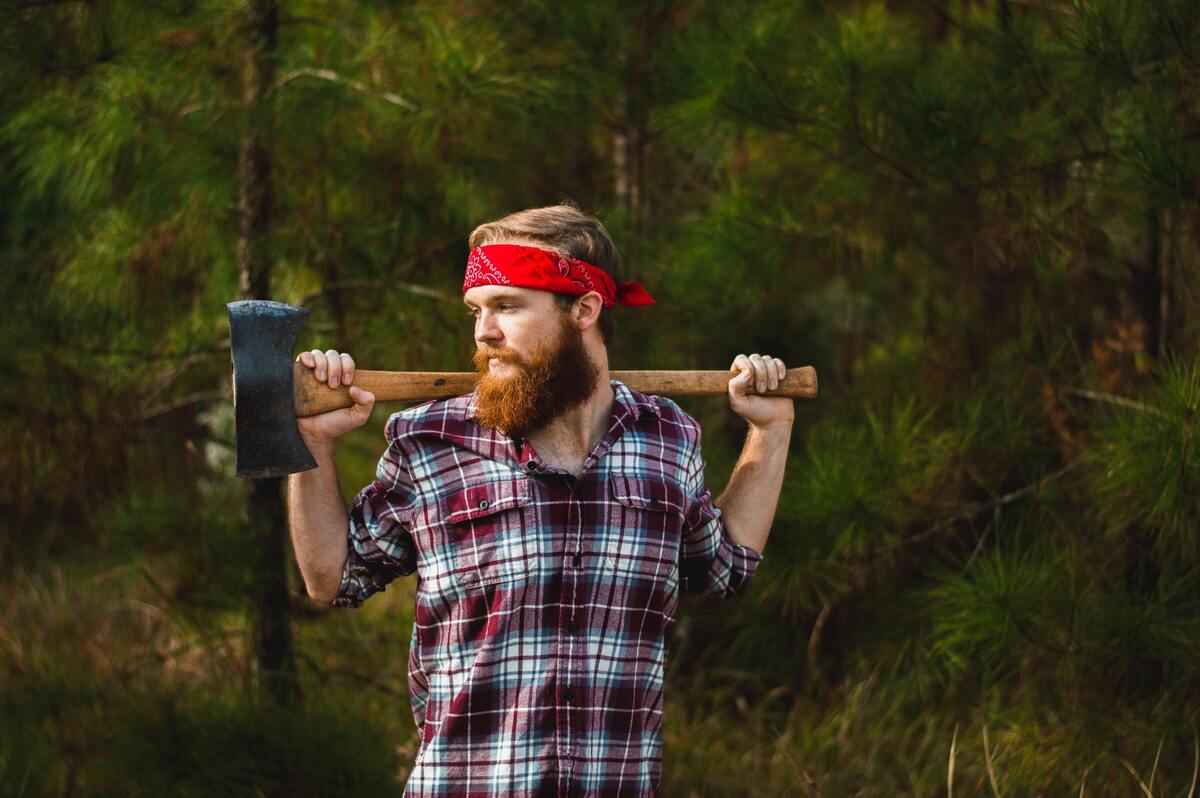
[(566, 230)]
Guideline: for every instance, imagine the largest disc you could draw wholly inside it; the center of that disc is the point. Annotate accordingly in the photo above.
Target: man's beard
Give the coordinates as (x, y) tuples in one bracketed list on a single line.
[(556, 378)]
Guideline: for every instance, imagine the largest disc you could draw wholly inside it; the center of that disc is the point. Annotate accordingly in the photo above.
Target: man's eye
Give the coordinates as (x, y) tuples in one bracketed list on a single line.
[(474, 312)]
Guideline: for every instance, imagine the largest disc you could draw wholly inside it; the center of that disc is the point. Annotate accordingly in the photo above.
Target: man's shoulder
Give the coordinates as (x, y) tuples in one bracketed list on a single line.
[(436, 415), (672, 419)]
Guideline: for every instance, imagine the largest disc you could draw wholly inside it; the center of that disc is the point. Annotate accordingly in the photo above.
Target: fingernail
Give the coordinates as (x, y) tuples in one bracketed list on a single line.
[(333, 383), (320, 375)]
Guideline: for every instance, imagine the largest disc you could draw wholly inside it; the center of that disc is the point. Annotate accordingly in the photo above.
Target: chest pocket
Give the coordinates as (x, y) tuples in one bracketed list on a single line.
[(645, 527), (490, 536)]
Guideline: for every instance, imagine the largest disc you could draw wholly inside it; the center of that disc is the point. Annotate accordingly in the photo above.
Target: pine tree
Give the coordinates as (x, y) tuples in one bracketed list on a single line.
[(976, 219)]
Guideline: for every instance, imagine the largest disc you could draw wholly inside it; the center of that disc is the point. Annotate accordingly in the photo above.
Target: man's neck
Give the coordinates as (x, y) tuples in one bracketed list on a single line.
[(576, 432)]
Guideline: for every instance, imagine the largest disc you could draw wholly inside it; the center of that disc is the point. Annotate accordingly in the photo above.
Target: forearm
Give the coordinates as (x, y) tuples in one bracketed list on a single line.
[(749, 501), (318, 520)]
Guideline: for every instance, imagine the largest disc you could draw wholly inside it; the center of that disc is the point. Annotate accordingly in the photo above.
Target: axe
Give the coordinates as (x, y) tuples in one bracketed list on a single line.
[(270, 389)]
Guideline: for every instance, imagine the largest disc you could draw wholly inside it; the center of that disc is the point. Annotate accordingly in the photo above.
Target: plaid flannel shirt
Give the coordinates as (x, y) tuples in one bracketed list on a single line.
[(544, 604)]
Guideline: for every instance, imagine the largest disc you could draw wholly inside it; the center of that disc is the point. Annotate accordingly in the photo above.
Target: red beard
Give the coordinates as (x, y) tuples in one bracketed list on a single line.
[(557, 377)]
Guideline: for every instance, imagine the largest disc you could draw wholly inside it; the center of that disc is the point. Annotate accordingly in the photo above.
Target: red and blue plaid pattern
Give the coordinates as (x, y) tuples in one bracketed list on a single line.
[(545, 604)]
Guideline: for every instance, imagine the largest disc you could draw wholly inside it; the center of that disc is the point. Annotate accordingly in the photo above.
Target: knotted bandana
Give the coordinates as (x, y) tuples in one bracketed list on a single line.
[(531, 267)]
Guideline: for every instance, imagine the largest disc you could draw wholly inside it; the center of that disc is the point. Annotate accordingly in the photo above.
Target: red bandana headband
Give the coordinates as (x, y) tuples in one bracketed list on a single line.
[(531, 267)]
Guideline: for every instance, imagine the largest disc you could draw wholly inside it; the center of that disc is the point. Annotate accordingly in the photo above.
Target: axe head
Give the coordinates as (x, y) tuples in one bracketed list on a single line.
[(262, 335)]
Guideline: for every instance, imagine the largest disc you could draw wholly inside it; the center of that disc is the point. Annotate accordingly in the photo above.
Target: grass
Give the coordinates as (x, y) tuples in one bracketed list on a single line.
[(108, 688)]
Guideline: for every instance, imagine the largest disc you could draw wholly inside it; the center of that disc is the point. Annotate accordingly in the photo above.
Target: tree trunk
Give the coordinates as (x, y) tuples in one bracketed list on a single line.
[(270, 605), (627, 143), (1164, 290), (631, 137), (330, 261), (1150, 284)]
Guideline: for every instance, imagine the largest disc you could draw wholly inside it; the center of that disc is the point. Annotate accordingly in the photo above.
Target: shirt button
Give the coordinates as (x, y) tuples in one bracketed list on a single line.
[(572, 628), (531, 465), (577, 560), (567, 694), (483, 505)]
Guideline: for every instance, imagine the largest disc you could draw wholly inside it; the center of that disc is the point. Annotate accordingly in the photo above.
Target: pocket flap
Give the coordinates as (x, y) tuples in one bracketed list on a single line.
[(647, 493), (479, 501)]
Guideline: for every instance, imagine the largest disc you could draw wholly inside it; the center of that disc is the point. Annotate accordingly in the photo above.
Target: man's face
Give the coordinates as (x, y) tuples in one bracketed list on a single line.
[(530, 356)]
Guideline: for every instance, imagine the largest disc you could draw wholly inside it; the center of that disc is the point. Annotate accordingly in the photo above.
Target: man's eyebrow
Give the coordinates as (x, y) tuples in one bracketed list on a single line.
[(503, 296)]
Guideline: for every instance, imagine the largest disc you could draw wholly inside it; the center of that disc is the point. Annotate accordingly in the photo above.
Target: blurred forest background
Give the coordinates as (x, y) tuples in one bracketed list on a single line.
[(978, 220)]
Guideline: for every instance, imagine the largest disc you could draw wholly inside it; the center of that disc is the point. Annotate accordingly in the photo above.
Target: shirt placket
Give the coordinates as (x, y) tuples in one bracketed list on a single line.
[(571, 686), (570, 668), (568, 690)]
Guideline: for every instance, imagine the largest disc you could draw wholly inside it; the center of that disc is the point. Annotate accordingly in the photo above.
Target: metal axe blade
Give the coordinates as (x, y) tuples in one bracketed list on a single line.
[(262, 335)]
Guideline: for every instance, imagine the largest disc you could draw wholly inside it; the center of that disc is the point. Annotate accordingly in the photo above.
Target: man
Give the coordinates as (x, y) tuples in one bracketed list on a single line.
[(552, 517)]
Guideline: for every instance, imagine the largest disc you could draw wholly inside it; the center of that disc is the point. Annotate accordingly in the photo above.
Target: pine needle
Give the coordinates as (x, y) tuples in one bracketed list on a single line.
[(1196, 764), (1137, 778), (1112, 399), (1154, 767), (987, 755), (950, 767), (1083, 780)]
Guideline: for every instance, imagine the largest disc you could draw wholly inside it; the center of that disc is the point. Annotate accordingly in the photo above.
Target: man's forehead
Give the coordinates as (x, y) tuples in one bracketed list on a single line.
[(488, 294)]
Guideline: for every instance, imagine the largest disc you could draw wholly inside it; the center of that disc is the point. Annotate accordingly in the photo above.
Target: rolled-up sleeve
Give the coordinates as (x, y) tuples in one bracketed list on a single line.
[(710, 562), (380, 546)]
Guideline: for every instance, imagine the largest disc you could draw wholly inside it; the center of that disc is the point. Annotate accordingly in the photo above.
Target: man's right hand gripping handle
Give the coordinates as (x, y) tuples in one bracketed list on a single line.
[(317, 512), (336, 369)]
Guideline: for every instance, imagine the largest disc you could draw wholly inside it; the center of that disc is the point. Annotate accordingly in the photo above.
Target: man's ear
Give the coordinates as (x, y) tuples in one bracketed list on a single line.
[(586, 311)]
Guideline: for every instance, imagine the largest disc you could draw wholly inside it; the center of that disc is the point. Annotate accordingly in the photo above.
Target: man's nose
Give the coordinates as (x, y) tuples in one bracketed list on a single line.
[(487, 330)]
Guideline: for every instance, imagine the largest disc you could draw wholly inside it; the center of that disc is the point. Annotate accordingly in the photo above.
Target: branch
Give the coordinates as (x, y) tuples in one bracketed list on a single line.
[(795, 121), (199, 397), (21, 6), (1061, 8), (965, 513), (345, 285), (794, 129), (330, 75), (861, 138), (187, 355), (323, 673), (969, 511), (1097, 396)]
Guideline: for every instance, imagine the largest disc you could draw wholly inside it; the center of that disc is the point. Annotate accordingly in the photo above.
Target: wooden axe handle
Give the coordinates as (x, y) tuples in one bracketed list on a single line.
[(313, 397)]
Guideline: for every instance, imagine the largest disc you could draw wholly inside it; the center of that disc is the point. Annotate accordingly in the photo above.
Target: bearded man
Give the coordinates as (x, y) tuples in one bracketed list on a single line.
[(552, 518)]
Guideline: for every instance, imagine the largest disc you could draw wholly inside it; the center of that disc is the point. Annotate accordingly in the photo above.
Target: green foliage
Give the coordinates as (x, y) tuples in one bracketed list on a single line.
[(976, 220), (1145, 467)]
